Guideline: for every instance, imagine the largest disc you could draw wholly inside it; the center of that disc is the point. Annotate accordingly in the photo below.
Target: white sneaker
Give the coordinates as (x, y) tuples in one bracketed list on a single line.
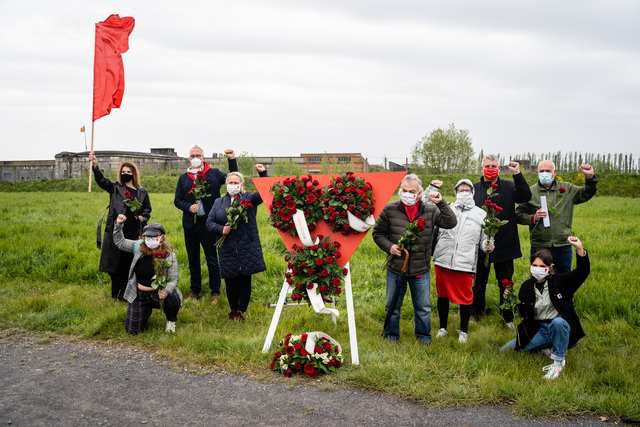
[(510, 325), (462, 337), (171, 327), (441, 333), (554, 370)]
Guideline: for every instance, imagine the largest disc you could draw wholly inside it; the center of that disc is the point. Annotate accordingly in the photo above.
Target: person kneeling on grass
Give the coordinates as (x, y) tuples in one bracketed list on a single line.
[(549, 322), (148, 255)]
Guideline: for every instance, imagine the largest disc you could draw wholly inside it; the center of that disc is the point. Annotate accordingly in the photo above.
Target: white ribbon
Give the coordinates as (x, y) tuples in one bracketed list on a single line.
[(360, 225), (318, 304), (303, 229), (313, 336)]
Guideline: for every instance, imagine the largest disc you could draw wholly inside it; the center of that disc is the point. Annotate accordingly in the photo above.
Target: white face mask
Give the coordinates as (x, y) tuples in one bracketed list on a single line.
[(539, 272), (196, 162), (408, 199), (152, 242), (233, 189), (545, 178), (464, 199)]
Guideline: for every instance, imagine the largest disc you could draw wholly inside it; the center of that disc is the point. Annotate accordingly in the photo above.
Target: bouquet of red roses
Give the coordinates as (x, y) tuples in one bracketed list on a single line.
[(131, 202), (199, 190), (407, 240), (491, 222), (315, 264), (236, 213), (347, 193), (161, 267), (292, 356), (293, 194), (511, 300)]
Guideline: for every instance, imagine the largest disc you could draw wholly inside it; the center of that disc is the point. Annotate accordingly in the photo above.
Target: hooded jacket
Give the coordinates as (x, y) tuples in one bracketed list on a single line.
[(457, 248)]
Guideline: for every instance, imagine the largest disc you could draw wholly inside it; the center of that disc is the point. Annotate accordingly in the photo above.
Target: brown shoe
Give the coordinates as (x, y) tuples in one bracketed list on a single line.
[(233, 314), (239, 316), (214, 299), (193, 296)]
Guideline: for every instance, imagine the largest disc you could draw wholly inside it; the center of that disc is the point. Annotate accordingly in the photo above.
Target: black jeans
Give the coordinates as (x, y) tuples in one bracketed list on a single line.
[(504, 270), (193, 238), (238, 292)]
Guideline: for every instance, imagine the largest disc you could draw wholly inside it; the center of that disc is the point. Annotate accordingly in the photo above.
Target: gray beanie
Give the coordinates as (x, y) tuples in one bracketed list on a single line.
[(463, 181)]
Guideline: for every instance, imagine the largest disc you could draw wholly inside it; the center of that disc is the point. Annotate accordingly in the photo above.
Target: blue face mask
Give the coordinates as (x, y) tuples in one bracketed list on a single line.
[(545, 178)]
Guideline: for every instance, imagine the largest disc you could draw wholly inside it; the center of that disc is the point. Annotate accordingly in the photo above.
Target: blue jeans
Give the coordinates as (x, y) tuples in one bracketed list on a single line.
[(554, 335), (562, 257), (193, 238), (420, 290)]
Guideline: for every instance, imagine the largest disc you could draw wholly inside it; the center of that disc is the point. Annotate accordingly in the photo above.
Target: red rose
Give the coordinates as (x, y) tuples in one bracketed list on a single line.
[(319, 262), (335, 281), (273, 365), (352, 178), (310, 272), (339, 291), (329, 260), (306, 213), (289, 281), (303, 264), (494, 186), (562, 190), (279, 203), (304, 179), (290, 204), (288, 373), (303, 337), (294, 272), (336, 244), (498, 209), (127, 194), (337, 254), (324, 289), (156, 254), (310, 198), (290, 350), (278, 354), (289, 266), (314, 247), (342, 199), (280, 190), (298, 346), (318, 349), (345, 271), (343, 214), (300, 188), (287, 197), (297, 366), (309, 367), (327, 346), (487, 203), (324, 273), (310, 285), (325, 245), (312, 227), (313, 373), (338, 178)]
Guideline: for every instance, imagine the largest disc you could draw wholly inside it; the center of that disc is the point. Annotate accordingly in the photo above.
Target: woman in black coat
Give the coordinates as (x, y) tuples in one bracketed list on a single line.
[(113, 260), (241, 253), (550, 324)]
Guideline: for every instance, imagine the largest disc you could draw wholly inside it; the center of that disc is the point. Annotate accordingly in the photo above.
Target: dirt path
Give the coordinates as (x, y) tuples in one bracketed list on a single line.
[(61, 382)]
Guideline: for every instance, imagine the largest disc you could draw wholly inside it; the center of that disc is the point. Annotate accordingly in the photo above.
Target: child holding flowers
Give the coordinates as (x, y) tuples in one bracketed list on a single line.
[(153, 277), (240, 252)]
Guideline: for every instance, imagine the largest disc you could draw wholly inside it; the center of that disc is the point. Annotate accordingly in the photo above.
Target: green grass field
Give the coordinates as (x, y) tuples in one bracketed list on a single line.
[(50, 284)]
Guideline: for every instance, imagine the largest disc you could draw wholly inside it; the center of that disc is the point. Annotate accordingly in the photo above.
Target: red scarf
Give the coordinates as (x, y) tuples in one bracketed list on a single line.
[(205, 169), (412, 211)]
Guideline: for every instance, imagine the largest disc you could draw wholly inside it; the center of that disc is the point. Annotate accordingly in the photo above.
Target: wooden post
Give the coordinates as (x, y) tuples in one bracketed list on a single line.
[(91, 166)]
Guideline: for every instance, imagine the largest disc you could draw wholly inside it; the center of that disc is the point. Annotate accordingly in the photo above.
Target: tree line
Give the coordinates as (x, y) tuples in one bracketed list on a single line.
[(450, 151)]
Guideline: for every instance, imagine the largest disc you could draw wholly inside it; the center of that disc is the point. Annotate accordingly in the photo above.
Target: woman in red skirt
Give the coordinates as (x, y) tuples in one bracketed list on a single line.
[(456, 256)]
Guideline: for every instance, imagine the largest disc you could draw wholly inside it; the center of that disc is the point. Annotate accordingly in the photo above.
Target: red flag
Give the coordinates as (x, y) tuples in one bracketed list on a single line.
[(112, 39)]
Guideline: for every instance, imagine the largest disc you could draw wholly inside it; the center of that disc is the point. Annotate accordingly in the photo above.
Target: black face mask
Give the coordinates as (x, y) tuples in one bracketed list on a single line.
[(125, 177)]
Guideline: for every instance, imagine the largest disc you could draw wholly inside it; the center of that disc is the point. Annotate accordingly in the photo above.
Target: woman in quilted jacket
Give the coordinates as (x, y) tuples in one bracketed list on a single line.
[(240, 255)]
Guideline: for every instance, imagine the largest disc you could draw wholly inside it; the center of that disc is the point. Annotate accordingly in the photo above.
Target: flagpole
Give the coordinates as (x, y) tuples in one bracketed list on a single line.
[(90, 163)]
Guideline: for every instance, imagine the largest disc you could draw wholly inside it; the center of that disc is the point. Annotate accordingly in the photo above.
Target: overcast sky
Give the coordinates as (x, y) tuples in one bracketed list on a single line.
[(289, 77)]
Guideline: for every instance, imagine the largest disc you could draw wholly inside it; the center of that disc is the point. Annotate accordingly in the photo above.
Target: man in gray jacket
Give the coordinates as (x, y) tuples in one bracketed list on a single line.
[(390, 226)]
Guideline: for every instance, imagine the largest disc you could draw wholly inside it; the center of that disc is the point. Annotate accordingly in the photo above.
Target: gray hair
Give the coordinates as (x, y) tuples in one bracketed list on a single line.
[(239, 175), (491, 157), (196, 147), (411, 178), (553, 165)]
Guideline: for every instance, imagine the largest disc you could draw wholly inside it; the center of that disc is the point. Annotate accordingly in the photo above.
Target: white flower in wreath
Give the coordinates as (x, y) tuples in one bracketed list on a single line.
[(283, 358), (285, 367)]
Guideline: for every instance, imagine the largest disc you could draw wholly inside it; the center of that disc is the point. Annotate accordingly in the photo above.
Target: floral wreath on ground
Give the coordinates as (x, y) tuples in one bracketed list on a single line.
[(315, 264), (293, 194), (292, 356), (347, 193)]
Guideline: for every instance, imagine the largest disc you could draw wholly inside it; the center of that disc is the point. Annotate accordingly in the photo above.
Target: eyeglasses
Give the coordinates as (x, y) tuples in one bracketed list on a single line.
[(464, 191)]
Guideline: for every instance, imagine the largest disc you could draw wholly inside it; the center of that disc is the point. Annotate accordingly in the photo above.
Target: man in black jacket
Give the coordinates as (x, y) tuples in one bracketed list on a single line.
[(507, 242), (194, 219)]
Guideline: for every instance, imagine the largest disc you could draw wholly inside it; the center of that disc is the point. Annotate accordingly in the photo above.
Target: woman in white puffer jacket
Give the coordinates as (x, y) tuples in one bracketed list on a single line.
[(456, 256)]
